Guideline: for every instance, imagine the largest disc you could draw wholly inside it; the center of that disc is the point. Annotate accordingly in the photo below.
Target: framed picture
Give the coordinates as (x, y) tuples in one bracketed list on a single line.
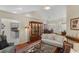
[(74, 23)]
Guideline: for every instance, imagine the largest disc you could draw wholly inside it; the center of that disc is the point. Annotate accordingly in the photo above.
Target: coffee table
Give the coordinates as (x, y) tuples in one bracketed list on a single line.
[(46, 48)]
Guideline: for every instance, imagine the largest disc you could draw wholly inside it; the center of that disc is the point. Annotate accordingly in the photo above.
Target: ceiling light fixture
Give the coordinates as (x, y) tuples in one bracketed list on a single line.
[(47, 7)]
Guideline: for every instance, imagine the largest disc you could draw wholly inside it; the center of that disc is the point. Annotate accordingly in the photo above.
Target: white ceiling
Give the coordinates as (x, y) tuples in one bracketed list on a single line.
[(20, 8), (37, 11)]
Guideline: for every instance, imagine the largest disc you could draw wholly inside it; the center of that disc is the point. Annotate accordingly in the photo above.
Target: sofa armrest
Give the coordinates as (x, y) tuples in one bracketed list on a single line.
[(10, 49), (67, 46)]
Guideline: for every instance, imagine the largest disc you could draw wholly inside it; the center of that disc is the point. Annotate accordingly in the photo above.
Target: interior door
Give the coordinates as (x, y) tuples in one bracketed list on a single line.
[(36, 30)]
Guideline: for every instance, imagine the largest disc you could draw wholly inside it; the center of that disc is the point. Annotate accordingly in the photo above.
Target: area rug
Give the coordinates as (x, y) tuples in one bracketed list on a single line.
[(45, 48)]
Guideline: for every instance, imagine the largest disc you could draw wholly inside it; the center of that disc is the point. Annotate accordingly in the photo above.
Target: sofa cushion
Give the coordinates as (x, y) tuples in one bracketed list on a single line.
[(52, 42), (59, 38), (48, 36), (44, 36), (51, 36)]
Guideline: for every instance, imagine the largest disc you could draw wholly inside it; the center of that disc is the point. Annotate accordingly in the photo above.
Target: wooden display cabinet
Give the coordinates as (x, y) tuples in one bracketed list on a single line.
[(36, 30)]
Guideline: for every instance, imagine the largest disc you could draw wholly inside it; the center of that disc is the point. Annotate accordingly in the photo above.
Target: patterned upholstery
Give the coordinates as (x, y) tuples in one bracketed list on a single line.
[(53, 39)]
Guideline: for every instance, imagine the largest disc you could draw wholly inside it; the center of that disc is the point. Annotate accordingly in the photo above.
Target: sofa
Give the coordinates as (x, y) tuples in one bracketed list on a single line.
[(9, 49), (53, 39)]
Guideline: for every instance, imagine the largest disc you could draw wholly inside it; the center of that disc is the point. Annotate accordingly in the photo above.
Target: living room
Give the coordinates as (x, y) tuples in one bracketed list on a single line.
[(38, 29)]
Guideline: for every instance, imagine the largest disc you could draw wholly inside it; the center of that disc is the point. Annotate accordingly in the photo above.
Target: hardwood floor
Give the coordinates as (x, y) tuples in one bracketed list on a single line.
[(21, 46), (43, 48)]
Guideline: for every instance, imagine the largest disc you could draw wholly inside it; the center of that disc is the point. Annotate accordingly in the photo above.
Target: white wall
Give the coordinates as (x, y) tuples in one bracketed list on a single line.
[(7, 30), (22, 19), (55, 17), (58, 25), (72, 12)]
